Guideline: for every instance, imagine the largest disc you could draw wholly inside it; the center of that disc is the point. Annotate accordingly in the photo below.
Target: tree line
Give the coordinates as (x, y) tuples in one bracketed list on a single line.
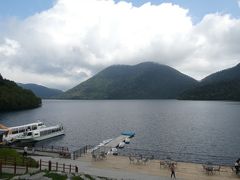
[(13, 97)]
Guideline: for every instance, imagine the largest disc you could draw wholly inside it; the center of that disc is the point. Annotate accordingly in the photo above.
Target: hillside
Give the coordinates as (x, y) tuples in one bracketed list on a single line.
[(229, 74), (41, 91), (223, 85), (143, 81), (13, 97)]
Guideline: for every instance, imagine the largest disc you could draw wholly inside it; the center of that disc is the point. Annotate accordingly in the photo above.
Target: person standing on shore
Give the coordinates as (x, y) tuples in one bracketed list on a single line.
[(25, 151), (33, 150), (237, 164), (172, 168)]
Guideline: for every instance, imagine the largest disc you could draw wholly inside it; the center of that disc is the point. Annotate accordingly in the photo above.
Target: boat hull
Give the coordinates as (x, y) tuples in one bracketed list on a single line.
[(40, 138)]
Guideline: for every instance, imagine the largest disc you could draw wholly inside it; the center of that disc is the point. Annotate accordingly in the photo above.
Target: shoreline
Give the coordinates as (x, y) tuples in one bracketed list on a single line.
[(183, 170), (120, 167)]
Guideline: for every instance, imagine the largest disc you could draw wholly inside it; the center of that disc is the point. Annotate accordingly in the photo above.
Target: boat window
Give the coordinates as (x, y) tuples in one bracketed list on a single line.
[(29, 134), (14, 132), (40, 124), (34, 127), (21, 130), (49, 131)]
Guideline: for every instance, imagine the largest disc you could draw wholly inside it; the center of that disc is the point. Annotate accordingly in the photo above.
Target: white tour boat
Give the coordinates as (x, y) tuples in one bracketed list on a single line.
[(41, 134), (12, 133)]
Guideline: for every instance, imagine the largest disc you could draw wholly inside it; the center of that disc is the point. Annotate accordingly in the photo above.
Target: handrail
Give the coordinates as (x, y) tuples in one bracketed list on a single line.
[(14, 166), (55, 166), (81, 151)]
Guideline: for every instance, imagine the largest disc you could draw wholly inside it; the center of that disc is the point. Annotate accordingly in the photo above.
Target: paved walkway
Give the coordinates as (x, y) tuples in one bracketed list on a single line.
[(88, 168), (40, 153), (118, 167)]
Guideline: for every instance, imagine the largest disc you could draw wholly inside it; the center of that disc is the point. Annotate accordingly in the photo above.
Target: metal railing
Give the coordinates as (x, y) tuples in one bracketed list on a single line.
[(81, 151), (55, 166), (7, 162)]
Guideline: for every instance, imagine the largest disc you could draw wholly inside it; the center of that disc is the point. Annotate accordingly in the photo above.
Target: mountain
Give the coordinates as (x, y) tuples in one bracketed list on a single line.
[(142, 81), (13, 97), (223, 76), (41, 91), (222, 85)]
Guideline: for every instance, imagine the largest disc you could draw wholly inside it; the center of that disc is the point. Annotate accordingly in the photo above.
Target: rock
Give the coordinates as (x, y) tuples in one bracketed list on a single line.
[(39, 176), (15, 178), (25, 176)]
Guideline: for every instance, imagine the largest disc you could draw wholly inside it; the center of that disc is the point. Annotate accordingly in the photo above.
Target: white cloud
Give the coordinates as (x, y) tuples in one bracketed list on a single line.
[(9, 47), (77, 38)]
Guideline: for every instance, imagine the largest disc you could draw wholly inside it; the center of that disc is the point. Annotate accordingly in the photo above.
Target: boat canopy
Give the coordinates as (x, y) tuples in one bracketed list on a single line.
[(128, 133)]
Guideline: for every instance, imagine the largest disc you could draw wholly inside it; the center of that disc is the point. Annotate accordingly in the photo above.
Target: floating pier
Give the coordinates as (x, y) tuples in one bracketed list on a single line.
[(114, 143)]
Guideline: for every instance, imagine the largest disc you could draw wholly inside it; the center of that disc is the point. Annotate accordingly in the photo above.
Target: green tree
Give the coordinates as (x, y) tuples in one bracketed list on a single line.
[(13, 97)]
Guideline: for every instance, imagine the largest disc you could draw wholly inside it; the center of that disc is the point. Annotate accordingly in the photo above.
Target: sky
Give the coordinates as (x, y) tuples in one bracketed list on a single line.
[(60, 43)]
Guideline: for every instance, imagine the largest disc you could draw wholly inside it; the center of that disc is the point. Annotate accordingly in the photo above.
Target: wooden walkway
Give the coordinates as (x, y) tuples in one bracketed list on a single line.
[(115, 142)]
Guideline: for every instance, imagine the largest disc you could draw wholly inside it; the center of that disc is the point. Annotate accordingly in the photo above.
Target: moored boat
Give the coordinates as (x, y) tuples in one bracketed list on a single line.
[(130, 134), (12, 133), (42, 134), (121, 145), (110, 146), (113, 151), (127, 140)]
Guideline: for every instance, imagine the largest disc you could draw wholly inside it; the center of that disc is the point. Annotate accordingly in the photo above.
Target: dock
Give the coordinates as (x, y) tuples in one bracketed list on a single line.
[(115, 142)]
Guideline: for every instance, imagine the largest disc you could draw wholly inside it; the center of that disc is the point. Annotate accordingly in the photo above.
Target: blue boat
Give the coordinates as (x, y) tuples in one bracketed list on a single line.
[(128, 133)]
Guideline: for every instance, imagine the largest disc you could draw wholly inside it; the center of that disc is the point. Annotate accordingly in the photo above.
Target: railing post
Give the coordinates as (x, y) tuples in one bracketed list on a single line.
[(49, 165), (76, 169), (15, 168), (63, 167), (0, 166), (40, 164), (27, 167), (56, 166), (70, 167)]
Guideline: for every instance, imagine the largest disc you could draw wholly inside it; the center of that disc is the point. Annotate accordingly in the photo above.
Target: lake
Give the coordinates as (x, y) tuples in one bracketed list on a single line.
[(192, 131)]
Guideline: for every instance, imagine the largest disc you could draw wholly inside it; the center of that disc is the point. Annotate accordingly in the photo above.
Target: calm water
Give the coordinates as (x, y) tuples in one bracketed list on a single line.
[(195, 131)]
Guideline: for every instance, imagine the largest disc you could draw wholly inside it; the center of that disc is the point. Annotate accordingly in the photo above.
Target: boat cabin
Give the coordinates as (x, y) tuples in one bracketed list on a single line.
[(26, 128)]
